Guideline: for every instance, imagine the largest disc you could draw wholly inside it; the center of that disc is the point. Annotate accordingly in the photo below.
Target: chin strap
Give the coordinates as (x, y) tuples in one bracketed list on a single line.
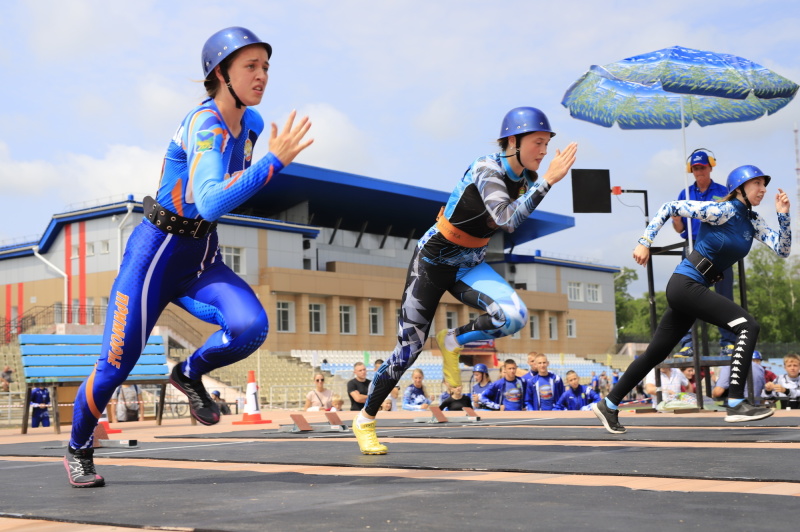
[(747, 202), (227, 79)]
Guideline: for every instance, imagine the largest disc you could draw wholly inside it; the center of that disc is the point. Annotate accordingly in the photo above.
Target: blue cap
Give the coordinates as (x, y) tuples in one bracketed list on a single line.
[(215, 392), (481, 367), (756, 355), (699, 157)]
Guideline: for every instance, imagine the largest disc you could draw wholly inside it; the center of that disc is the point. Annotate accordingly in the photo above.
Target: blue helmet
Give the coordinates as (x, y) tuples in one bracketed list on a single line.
[(743, 174), (224, 43), (757, 355), (481, 368), (522, 120)]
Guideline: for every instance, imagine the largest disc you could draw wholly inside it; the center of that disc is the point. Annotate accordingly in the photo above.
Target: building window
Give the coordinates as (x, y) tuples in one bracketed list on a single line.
[(451, 319), (316, 318), (89, 249), (574, 291), (593, 294), (553, 321), (285, 316), (58, 312), (347, 319), (376, 321), (74, 252), (572, 331), (104, 246), (76, 311), (473, 316), (90, 311), (533, 323), (232, 257)]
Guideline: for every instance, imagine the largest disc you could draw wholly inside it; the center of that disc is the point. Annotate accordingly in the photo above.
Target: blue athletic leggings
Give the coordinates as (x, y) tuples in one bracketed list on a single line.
[(480, 287), (159, 268)]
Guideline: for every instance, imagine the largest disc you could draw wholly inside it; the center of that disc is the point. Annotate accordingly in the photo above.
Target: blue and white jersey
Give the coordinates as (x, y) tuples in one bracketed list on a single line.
[(714, 192), (40, 396), (414, 398), (577, 399), (504, 393), (727, 234), (542, 392), (207, 171), (489, 197)]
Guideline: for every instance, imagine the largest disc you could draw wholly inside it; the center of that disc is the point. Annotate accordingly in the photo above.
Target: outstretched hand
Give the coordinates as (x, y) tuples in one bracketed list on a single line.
[(641, 254), (561, 164), (286, 145), (781, 201)]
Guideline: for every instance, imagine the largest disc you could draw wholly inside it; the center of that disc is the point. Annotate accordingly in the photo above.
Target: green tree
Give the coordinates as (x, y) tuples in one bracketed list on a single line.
[(773, 288)]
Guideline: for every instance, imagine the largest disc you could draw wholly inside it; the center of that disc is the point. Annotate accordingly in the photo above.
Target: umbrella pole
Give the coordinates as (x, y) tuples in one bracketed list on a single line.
[(689, 235)]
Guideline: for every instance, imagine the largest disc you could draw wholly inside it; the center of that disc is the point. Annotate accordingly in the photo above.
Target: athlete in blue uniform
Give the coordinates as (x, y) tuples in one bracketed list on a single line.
[(173, 255), (40, 401), (576, 396), (701, 163), (507, 393), (725, 237), (498, 191)]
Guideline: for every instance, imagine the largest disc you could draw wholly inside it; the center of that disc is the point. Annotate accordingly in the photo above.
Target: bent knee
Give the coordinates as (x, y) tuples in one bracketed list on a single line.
[(254, 330), (514, 317)]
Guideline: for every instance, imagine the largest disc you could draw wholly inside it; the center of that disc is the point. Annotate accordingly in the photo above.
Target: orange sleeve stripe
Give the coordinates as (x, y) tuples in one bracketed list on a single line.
[(90, 395), (235, 177), (177, 197)]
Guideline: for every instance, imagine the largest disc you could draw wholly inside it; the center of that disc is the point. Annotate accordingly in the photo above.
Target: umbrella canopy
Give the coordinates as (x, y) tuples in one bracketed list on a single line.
[(651, 91)]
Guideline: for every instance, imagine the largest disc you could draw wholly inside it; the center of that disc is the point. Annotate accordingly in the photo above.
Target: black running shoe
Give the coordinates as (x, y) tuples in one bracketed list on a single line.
[(608, 417), (79, 464), (744, 411), (202, 407)]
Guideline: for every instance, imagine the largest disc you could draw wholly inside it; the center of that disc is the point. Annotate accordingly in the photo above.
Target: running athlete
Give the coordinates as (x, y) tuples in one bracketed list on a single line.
[(725, 237), (498, 191), (173, 255)]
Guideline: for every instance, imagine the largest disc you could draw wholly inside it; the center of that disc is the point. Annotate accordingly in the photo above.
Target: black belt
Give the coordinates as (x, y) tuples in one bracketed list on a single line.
[(705, 267), (169, 222)]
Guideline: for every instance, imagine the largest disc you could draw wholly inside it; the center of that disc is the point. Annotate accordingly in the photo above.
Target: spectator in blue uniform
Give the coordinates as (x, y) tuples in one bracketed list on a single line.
[(543, 388), (40, 402), (507, 393), (726, 235), (701, 163), (498, 191), (173, 255), (576, 396), (415, 397)]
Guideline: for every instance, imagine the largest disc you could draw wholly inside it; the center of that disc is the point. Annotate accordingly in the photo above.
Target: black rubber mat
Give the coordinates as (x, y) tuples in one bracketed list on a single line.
[(688, 462), (627, 419), (247, 501)]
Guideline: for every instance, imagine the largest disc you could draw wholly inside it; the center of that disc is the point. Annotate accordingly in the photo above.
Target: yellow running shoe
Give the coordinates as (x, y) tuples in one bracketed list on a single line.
[(367, 439), (452, 373)]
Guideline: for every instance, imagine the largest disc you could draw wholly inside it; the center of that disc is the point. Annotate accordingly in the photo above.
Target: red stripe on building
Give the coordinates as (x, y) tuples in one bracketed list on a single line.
[(20, 306), (68, 271), (82, 271), (8, 314)]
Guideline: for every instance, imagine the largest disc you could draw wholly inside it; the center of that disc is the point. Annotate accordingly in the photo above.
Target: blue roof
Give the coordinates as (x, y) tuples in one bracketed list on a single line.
[(348, 201)]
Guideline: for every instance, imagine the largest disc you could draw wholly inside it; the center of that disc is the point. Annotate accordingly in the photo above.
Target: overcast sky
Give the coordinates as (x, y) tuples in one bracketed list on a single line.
[(409, 91)]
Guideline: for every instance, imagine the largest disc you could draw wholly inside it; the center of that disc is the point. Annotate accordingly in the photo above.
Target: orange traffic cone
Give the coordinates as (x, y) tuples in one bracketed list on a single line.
[(252, 412), (104, 424)]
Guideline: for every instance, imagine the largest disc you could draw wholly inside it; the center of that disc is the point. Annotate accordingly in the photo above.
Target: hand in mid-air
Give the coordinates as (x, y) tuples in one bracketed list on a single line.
[(782, 201), (286, 145), (561, 164), (641, 254)]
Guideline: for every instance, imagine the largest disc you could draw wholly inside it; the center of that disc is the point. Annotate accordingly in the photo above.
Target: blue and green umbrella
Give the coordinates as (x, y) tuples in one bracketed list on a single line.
[(651, 91)]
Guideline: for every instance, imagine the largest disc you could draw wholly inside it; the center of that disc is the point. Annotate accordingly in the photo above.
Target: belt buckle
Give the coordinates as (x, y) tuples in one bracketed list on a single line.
[(704, 265), (202, 229)]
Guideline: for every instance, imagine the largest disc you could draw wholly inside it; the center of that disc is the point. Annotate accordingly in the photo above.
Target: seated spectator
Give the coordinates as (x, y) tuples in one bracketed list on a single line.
[(768, 375), (378, 364), (720, 390), (6, 378), (689, 374), (127, 404), (319, 398), (394, 397), (602, 383), (507, 393), (414, 397), (576, 396), (337, 403), (456, 400), (787, 387), (386, 406), (481, 381), (542, 387), (358, 386), (224, 409), (671, 381), (40, 401)]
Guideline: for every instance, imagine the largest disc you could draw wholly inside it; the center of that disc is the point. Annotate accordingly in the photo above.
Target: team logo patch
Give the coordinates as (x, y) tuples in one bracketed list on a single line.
[(204, 141), (514, 395), (248, 150)]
